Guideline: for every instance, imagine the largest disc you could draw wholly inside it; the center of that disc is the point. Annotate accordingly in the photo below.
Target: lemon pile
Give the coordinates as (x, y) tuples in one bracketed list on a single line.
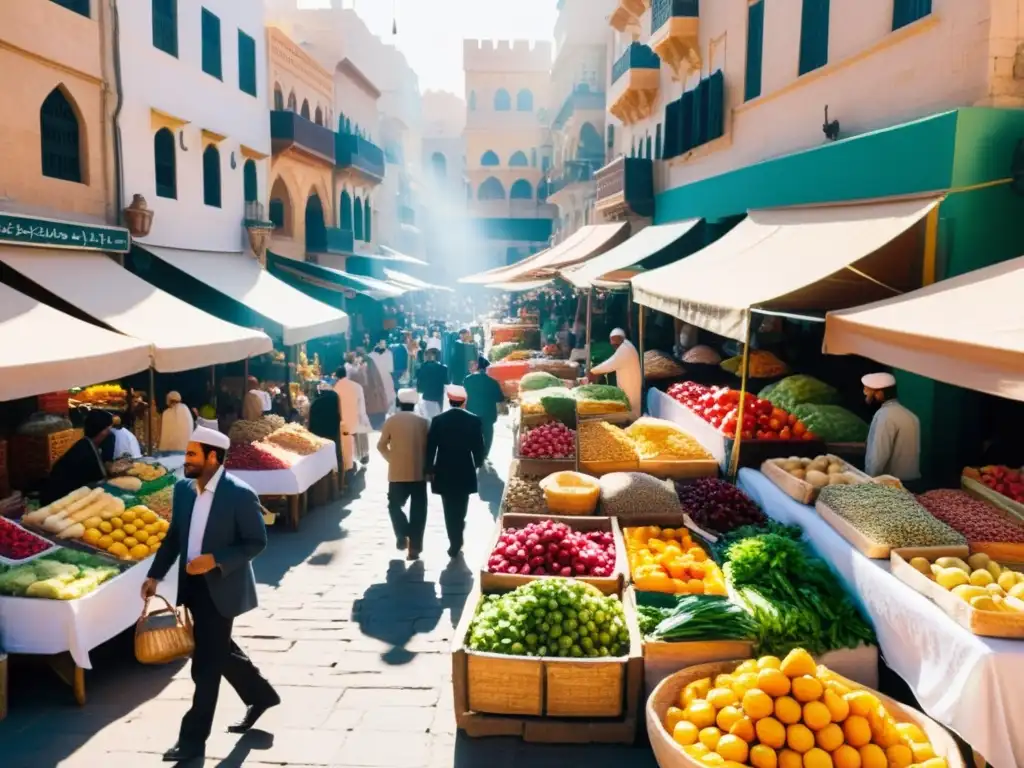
[(133, 535), (792, 714)]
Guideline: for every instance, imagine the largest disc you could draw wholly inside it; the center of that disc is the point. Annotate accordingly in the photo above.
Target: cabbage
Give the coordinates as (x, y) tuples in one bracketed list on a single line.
[(538, 380)]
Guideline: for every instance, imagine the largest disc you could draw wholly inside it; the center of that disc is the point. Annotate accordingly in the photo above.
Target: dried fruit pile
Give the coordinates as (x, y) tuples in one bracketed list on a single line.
[(975, 519), (247, 456), (18, 544), (718, 506)]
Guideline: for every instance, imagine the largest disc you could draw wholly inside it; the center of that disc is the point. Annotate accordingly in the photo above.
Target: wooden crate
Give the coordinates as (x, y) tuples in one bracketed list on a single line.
[(985, 623), (1013, 509), (675, 469), (609, 585), (801, 490), (866, 546), (602, 468), (33, 456), (569, 691)]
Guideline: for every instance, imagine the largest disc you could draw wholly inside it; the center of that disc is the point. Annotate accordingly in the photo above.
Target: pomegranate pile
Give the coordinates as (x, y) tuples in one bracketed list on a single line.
[(548, 548), (548, 441), (18, 544)]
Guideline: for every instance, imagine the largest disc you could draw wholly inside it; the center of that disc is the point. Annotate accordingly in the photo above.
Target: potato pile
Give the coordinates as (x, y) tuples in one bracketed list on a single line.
[(601, 441), (819, 471)]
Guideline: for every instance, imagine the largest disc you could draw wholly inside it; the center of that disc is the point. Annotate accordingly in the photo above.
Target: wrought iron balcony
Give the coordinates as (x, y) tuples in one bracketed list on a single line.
[(636, 77), (636, 56), (626, 185), (355, 152), (290, 130), (581, 98), (579, 171), (675, 34)]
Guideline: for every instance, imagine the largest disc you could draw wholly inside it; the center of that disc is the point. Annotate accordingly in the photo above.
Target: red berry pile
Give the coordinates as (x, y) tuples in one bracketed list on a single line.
[(548, 441), (18, 544), (548, 548)]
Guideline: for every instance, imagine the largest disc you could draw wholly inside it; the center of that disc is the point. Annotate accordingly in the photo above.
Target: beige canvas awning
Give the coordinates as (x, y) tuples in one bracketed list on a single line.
[(497, 274), (47, 351), (793, 259), (584, 244), (643, 244), (240, 277), (514, 286), (967, 331), (182, 337)]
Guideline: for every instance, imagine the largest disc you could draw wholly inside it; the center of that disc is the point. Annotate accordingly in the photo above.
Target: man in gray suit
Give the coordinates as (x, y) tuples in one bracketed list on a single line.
[(216, 531)]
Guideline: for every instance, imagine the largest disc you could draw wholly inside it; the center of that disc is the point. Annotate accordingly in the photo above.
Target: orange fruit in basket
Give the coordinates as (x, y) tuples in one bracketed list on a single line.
[(685, 733), (771, 732), (757, 704), (807, 688), (710, 737), (799, 738), (899, 756), (698, 689), (728, 717), (790, 759), (862, 703), (743, 683), (701, 713), (838, 707), (733, 748), (788, 710), (721, 697), (816, 715), (830, 738), (713, 758), (672, 716), (763, 756), (857, 730), (817, 758), (744, 728), (773, 682), (872, 756), (846, 757), (695, 587)]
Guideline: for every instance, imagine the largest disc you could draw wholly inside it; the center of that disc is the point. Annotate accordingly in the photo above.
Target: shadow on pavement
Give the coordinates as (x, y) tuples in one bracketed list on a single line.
[(403, 606), (254, 740), (456, 582), (491, 489), (502, 752)]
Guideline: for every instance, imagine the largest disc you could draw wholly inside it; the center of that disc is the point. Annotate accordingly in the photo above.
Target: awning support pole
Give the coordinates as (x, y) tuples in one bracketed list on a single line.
[(245, 377), (152, 410), (590, 309), (640, 328), (734, 460)]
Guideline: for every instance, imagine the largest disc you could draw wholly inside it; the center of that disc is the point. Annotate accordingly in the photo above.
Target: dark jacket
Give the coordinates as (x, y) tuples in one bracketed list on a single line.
[(79, 466), (431, 379), (235, 535), (455, 451), (483, 395)]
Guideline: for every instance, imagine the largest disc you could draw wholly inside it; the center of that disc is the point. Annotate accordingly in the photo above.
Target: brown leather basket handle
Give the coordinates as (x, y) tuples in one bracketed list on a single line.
[(168, 609)]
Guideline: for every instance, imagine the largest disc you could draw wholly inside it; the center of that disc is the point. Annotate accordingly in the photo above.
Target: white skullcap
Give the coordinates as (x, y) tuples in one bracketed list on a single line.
[(408, 396), (879, 381), (207, 436), (617, 332), (173, 397), (455, 392), (433, 343)]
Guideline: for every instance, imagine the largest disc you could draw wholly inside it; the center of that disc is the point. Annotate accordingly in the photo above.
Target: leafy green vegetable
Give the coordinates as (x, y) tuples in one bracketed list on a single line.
[(600, 392)]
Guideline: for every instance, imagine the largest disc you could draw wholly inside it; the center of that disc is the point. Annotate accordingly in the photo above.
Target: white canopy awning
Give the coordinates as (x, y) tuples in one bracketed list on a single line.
[(47, 351), (967, 331), (497, 274), (182, 337), (645, 243), (792, 258), (518, 286), (411, 282), (240, 277), (584, 244)]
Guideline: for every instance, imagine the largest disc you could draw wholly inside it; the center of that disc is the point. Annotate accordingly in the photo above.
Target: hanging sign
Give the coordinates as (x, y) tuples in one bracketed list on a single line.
[(50, 233)]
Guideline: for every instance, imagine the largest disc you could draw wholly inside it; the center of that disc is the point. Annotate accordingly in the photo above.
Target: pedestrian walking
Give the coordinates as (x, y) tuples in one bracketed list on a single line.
[(216, 531), (455, 451), (403, 444), (483, 396), (430, 383)]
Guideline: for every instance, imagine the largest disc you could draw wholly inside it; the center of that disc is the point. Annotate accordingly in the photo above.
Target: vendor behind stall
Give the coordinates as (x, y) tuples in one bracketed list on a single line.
[(125, 443), (894, 439), (82, 464), (625, 364), (176, 425)]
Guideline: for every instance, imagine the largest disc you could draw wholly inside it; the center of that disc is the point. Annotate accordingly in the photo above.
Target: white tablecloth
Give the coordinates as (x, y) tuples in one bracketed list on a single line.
[(46, 627), (973, 685), (661, 406), (294, 480)]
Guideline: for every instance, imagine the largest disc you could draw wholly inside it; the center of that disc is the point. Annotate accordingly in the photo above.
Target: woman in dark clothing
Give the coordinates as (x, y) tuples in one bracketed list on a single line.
[(83, 463), (325, 419)]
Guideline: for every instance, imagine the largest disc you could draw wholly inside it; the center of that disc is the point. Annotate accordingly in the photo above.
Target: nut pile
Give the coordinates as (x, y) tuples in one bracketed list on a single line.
[(634, 494), (243, 431), (888, 516), (975, 519), (297, 439), (523, 496), (601, 441), (661, 439)]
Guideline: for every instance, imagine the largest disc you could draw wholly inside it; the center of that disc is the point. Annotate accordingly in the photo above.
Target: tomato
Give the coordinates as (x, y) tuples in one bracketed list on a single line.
[(761, 434), (747, 434), (765, 408), (791, 419), (785, 434), (775, 424), (781, 415), (729, 425), (799, 429), (810, 436)]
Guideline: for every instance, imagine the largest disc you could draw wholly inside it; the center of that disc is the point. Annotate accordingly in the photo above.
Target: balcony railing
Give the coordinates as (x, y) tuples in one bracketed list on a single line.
[(577, 171), (353, 151), (663, 10), (636, 56), (626, 182), (581, 98), (340, 241), (290, 129)]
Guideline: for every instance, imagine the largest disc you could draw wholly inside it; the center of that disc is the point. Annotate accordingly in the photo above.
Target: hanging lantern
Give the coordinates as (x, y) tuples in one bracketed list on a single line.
[(138, 217)]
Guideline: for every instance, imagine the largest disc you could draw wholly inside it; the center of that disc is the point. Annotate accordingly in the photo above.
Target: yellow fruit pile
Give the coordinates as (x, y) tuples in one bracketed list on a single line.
[(601, 441), (661, 439), (666, 560), (792, 714), (147, 472), (981, 581), (133, 535)]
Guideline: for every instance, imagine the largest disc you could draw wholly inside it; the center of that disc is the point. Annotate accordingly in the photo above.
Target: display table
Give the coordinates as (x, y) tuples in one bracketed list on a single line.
[(55, 627), (294, 481), (661, 406), (970, 684)]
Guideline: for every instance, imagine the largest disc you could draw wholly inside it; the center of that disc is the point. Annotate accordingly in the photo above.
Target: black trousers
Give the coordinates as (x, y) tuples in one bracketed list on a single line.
[(455, 507), (413, 526), (216, 656), (488, 437)]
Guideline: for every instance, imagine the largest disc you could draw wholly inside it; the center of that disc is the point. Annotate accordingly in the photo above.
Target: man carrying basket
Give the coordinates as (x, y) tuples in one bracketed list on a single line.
[(216, 531)]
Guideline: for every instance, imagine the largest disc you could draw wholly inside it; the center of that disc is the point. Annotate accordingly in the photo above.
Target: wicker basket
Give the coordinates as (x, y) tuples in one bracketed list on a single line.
[(33, 456), (567, 502), (162, 644)]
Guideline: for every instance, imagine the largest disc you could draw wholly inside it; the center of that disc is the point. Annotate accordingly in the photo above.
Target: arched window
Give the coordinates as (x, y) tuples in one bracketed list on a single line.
[(472, 101), (280, 208), (341, 122), (345, 215), (293, 105), (318, 116), (489, 159), (521, 190), (61, 137), (524, 101), (518, 160), (249, 181), (368, 226), (590, 145), (502, 101), (165, 164), (316, 233), (305, 109), (278, 97), (348, 125), (491, 189), (211, 176), (440, 163), (357, 218)]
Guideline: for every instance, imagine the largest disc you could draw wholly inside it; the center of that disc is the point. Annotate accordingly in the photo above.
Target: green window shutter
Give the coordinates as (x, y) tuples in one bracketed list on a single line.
[(211, 176), (60, 140), (250, 183), (611, 136), (275, 212), (687, 140), (211, 45), (814, 35), (165, 164), (906, 12), (80, 7), (700, 114), (246, 63), (673, 129), (165, 26), (368, 227), (716, 105), (357, 218), (649, 156), (657, 142), (755, 49)]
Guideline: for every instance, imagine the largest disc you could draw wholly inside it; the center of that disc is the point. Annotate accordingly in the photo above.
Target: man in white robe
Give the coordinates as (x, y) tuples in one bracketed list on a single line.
[(176, 425), (625, 364)]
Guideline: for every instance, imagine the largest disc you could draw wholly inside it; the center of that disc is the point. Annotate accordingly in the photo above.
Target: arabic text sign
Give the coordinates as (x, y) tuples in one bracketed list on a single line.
[(27, 230)]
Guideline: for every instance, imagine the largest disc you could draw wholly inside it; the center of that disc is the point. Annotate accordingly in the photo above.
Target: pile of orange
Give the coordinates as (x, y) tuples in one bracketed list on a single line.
[(792, 714), (667, 560)]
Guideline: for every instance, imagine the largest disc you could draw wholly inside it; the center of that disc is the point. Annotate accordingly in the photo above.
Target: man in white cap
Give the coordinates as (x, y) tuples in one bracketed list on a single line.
[(625, 364), (216, 531), (176, 424), (894, 440), (455, 451), (403, 444)]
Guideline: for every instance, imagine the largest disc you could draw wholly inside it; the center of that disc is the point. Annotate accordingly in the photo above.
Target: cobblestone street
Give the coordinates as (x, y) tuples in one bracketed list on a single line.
[(355, 640)]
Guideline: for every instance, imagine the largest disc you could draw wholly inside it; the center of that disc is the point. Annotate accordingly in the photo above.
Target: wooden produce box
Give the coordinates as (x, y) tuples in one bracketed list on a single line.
[(985, 623), (602, 468), (874, 549), (1014, 509), (33, 456), (551, 700), (801, 490), (541, 467), (609, 585), (676, 469)]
